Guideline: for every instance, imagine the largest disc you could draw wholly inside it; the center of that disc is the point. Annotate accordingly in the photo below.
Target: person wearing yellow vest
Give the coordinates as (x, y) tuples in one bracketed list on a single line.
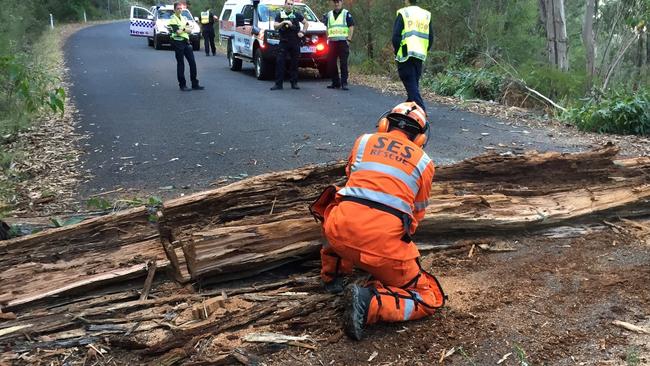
[(180, 27), (207, 29), (340, 27), (412, 39)]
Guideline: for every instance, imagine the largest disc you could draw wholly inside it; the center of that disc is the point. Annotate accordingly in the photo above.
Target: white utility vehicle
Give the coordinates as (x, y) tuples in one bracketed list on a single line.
[(153, 24), (246, 26)]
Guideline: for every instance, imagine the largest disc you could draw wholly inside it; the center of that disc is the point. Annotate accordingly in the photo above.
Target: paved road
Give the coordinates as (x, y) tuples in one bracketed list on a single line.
[(146, 134)]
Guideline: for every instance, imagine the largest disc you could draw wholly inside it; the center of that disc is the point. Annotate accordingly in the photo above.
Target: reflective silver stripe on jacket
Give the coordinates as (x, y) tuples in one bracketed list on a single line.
[(421, 205), (415, 33), (421, 166), (360, 149), (409, 180), (379, 197)]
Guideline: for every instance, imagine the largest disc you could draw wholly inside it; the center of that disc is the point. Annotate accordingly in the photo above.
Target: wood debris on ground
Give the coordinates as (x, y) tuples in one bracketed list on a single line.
[(212, 239)]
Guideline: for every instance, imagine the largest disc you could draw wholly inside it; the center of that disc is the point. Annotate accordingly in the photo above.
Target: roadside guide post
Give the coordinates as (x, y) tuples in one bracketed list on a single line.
[(85, 20), (51, 21)]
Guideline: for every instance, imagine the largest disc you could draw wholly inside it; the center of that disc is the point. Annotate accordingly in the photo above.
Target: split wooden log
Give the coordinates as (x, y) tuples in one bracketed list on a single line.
[(282, 191), (253, 246), (533, 168), (262, 222), (488, 193), (77, 257)]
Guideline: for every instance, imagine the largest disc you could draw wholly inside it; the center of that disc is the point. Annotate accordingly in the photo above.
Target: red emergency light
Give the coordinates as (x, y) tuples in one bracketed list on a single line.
[(320, 47)]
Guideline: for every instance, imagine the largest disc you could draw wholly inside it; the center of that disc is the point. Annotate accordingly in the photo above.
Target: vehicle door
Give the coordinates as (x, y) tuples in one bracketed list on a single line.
[(141, 22), (226, 26), (244, 34)]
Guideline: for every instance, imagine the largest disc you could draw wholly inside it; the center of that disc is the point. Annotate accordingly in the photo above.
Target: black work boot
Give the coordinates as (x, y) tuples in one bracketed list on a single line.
[(335, 286), (357, 301)]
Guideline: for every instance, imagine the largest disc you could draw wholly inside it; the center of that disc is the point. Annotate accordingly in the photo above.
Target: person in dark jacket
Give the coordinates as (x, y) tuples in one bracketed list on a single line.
[(287, 22), (207, 29)]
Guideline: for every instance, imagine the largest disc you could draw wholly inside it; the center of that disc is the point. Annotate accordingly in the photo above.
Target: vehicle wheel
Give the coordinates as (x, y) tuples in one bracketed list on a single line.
[(156, 42), (263, 69), (196, 45), (233, 62), (150, 42), (322, 71)]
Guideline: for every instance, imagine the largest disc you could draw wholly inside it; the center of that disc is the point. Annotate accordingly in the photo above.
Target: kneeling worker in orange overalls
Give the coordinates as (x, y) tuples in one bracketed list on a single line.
[(369, 224)]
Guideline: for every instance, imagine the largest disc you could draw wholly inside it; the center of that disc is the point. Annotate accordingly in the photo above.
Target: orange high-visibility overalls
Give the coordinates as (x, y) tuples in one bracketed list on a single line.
[(370, 222)]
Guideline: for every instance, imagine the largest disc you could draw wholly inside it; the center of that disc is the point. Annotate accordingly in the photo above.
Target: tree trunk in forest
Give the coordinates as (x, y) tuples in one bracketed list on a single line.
[(647, 48), (640, 59), (588, 38), (555, 24), (617, 59), (369, 30)]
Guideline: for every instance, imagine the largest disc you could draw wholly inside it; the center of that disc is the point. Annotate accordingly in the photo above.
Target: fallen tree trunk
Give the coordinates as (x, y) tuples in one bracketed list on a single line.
[(72, 258), (487, 193), (263, 222)]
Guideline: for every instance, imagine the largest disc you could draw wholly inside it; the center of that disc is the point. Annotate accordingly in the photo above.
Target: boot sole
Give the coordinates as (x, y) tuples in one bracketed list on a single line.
[(350, 297)]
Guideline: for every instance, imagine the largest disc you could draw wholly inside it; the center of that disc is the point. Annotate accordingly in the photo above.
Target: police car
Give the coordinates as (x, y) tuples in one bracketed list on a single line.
[(153, 24), (247, 27)]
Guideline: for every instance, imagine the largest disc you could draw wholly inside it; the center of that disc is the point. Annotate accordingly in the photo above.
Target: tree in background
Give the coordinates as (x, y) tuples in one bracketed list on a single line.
[(552, 15), (589, 40)]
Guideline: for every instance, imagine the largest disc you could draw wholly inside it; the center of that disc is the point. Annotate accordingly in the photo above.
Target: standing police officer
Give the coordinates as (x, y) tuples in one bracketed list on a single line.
[(207, 28), (181, 42), (412, 39), (287, 22), (340, 27)]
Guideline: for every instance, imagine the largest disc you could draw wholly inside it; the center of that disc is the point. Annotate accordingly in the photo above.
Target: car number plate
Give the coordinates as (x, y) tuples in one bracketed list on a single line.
[(308, 49)]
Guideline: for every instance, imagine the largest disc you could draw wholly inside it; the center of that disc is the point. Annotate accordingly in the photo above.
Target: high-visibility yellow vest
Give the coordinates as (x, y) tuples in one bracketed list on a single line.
[(178, 23), (337, 28), (415, 34), (205, 17), (291, 16)]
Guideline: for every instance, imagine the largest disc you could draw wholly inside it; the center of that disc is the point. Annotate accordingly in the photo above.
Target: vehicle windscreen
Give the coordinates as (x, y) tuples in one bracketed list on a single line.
[(167, 14), (268, 12)]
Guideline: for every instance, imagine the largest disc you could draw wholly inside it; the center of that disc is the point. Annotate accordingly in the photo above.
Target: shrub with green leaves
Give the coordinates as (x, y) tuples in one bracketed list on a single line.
[(552, 82), (467, 83), (28, 87), (619, 113)]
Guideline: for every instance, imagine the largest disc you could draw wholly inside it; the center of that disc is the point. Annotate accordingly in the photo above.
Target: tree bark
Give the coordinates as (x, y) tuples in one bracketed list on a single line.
[(555, 24), (640, 60), (94, 252), (589, 41)]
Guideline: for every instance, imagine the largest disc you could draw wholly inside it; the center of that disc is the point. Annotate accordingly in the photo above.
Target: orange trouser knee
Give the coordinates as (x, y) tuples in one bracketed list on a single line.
[(332, 265), (402, 290), (395, 304)]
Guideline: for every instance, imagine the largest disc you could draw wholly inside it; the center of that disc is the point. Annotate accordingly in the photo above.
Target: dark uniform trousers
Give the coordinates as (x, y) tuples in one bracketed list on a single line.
[(338, 50), (291, 49), (208, 40), (409, 72), (184, 49)]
